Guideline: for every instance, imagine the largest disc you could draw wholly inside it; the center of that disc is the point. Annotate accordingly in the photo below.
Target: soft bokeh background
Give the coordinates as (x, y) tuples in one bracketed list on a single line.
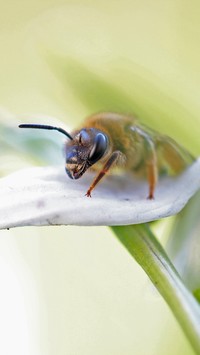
[(70, 290)]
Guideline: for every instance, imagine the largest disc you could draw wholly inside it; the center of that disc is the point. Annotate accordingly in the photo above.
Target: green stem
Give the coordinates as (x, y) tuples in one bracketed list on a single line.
[(147, 251)]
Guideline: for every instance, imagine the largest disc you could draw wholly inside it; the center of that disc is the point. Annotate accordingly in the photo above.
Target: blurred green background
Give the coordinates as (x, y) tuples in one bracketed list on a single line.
[(70, 290)]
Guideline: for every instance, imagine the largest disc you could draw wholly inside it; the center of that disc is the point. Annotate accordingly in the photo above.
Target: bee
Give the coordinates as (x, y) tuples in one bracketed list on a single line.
[(110, 139)]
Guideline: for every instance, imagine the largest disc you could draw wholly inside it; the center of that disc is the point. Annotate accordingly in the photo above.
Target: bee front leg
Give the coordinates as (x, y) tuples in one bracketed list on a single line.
[(113, 159)]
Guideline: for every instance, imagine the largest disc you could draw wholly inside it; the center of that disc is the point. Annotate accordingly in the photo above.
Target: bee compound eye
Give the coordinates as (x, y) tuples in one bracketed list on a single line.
[(83, 137), (99, 148)]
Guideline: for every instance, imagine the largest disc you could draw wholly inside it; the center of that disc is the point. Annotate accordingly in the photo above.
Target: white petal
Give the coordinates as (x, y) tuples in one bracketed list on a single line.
[(46, 196)]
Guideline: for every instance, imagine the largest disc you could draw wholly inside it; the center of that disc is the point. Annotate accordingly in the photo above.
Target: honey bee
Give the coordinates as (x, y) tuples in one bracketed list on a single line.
[(110, 139)]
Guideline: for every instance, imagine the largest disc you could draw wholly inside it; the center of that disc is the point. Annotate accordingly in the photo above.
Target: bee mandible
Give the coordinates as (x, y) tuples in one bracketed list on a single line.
[(110, 139)]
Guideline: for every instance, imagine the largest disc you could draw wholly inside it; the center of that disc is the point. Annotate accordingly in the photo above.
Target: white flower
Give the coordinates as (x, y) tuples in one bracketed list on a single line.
[(46, 196)]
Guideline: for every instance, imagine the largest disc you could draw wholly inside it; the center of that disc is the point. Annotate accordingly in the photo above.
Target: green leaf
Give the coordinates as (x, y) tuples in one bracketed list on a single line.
[(183, 245), (196, 294), (147, 251)]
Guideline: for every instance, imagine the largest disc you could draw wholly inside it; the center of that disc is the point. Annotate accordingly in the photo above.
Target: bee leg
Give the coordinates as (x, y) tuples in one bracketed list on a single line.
[(150, 160), (151, 166), (113, 159), (152, 177)]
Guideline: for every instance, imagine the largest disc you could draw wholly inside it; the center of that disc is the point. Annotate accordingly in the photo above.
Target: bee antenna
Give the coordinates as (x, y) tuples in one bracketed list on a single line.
[(42, 126)]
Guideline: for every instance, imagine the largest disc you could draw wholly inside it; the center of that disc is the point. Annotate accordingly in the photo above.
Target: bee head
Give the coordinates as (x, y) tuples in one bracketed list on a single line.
[(87, 147), (83, 149)]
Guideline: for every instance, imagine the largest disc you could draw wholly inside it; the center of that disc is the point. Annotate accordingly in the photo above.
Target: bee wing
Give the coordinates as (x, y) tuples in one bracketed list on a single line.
[(171, 156)]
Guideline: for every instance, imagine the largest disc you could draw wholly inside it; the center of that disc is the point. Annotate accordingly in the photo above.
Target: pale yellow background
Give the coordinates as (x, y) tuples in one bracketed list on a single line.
[(70, 290)]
